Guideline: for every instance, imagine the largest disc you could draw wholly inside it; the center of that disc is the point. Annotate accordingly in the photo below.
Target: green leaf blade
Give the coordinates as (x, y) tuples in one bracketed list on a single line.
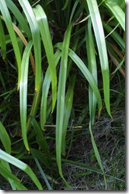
[(22, 21), (93, 69), (61, 97), (21, 165), (117, 12), (36, 40), (4, 137), (7, 18), (45, 90), (68, 108), (47, 41), (23, 92), (100, 39), (80, 64)]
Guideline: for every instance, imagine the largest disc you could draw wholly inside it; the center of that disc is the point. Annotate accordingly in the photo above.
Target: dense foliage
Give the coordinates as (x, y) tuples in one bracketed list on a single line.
[(50, 50)]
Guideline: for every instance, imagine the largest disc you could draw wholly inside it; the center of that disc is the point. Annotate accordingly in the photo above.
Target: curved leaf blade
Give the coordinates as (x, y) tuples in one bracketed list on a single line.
[(45, 90), (47, 42), (67, 112), (5, 139), (80, 64), (27, 9), (61, 97), (21, 165), (92, 66), (41, 140), (11, 178), (92, 98), (117, 12), (7, 18), (115, 35), (18, 15), (100, 39), (23, 92)]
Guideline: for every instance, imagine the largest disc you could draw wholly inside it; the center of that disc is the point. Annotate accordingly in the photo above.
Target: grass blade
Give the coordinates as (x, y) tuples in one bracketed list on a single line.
[(45, 89), (2, 81), (37, 52), (43, 174), (61, 97), (100, 39), (92, 66), (36, 40), (23, 92), (92, 98), (18, 15), (119, 67), (41, 157), (41, 140), (65, 5), (115, 35), (97, 153), (47, 41), (73, 10), (4, 137), (34, 106), (117, 64), (11, 178), (8, 22), (117, 12), (24, 41), (67, 112), (80, 64), (21, 165)]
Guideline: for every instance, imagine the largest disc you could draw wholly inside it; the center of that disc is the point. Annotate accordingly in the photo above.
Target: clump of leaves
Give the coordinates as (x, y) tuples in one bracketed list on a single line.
[(59, 40)]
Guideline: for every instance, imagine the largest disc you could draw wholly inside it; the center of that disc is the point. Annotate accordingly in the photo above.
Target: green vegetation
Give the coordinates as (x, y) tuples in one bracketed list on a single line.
[(62, 88)]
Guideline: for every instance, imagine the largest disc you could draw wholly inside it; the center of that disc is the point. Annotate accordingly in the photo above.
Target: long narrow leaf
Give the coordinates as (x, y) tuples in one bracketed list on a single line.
[(45, 89), (6, 167), (61, 97), (23, 92), (100, 39), (4, 137), (93, 69), (80, 64), (97, 153), (17, 13), (21, 165), (47, 41), (41, 157), (37, 52), (115, 35), (9, 176), (92, 98), (8, 22), (34, 107), (117, 12), (41, 140), (68, 108), (36, 40), (43, 174)]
